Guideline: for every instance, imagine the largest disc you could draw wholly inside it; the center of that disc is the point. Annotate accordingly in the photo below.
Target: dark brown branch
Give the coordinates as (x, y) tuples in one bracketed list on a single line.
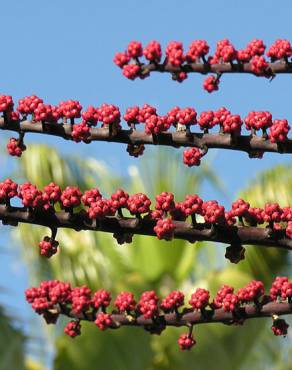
[(278, 67), (243, 235), (246, 143), (210, 316)]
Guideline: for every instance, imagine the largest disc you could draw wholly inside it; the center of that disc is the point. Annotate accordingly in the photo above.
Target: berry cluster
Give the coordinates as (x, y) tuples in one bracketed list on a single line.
[(179, 119), (107, 114), (55, 298), (164, 215), (179, 63)]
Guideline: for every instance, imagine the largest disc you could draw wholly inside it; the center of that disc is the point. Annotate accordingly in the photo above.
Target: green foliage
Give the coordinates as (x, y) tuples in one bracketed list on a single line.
[(11, 344)]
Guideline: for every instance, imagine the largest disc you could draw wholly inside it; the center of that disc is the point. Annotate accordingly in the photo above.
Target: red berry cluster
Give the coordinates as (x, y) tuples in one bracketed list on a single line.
[(180, 119), (164, 215), (108, 114), (148, 304), (53, 298), (197, 53), (281, 289), (48, 247)]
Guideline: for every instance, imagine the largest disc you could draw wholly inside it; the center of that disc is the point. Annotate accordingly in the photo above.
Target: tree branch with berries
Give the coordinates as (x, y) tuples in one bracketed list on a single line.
[(173, 129), (226, 59), (54, 208), (54, 298)]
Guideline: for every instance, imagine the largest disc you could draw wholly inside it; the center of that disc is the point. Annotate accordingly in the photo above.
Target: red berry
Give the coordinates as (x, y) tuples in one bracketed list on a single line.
[(90, 196), (138, 204), (213, 212), (70, 109), (277, 286), (152, 51), (125, 302), (211, 83), (259, 65), (109, 114), (156, 124), (174, 300), (164, 201), (101, 208), (71, 197), (28, 104), (251, 292), (73, 329), (288, 230), (103, 320), (207, 120), (146, 112), (279, 131), (174, 53), (52, 193), (131, 71), (119, 199), (135, 49), (15, 148), (164, 229), (192, 205), (256, 215), (121, 59), (187, 116), (48, 247), (258, 120), (101, 299), (6, 103), (197, 49), (273, 212), (31, 196), (286, 291), (132, 115), (192, 157), (91, 116), (221, 294), (186, 342), (256, 47), (232, 124), (147, 304), (200, 299), (81, 132), (280, 49), (81, 299), (172, 116), (43, 112), (8, 190), (244, 55), (60, 293), (240, 208)]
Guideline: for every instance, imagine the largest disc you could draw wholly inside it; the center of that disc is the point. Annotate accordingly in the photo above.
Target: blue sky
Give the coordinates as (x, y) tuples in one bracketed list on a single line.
[(64, 49)]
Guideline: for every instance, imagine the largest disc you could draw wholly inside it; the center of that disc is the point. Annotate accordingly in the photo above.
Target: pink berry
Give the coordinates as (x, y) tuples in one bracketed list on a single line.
[(73, 329), (101, 299), (173, 301), (152, 51), (192, 157), (48, 247), (211, 83), (125, 302), (186, 342), (103, 320), (164, 229), (200, 299), (131, 71), (15, 148)]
